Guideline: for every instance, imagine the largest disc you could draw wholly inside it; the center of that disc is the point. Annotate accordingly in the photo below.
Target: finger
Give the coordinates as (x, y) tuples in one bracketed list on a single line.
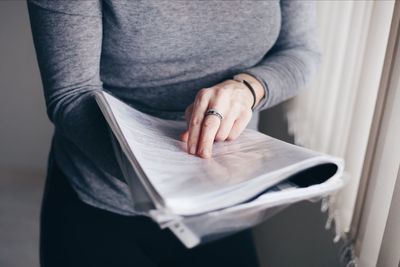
[(196, 120), (188, 113), (212, 123), (185, 136), (225, 127), (208, 131), (239, 126)]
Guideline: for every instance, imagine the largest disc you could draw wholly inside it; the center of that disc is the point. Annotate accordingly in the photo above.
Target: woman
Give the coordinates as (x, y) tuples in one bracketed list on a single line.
[(220, 61)]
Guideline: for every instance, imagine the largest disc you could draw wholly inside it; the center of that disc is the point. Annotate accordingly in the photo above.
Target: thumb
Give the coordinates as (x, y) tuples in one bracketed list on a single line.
[(185, 136), (188, 113)]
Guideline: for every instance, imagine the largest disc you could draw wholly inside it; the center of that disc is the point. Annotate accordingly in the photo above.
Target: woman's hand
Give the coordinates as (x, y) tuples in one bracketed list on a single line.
[(233, 100)]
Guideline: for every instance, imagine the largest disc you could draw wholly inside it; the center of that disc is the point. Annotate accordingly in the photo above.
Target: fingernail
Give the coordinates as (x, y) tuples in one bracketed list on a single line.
[(192, 149)]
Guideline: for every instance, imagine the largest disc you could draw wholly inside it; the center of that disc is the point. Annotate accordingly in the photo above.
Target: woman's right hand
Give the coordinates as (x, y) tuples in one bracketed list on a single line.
[(233, 100)]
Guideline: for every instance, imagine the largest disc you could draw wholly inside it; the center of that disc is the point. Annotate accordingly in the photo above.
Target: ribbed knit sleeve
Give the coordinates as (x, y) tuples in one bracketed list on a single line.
[(68, 38), (295, 56)]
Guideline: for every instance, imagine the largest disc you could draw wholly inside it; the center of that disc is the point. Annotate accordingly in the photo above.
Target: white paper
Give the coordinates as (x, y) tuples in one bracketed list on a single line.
[(189, 185)]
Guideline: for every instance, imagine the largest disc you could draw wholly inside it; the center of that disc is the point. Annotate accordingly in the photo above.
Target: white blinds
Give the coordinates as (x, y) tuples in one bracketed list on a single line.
[(334, 115)]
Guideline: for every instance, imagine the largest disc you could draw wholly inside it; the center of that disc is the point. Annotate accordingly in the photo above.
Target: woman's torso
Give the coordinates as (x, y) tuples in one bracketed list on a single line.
[(158, 54)]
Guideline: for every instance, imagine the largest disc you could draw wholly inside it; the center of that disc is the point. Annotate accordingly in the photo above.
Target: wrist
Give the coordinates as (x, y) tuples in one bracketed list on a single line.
[(255, 84)]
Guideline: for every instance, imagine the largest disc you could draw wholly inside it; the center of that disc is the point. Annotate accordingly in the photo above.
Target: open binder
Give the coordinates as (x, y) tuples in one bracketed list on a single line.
[(245, 182)]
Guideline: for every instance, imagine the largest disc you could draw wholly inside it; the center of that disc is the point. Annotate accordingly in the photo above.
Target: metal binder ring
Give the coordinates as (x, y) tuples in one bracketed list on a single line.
[(214, 112)]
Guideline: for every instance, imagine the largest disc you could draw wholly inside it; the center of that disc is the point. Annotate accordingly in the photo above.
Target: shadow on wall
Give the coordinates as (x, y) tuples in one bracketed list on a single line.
[(25, 130), (24, 139)]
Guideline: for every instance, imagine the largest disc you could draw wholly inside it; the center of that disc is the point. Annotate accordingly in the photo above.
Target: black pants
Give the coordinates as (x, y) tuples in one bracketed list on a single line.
[(75, 234)]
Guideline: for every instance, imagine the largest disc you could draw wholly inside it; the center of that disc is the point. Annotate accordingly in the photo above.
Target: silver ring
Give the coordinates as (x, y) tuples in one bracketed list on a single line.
[(214, 112)]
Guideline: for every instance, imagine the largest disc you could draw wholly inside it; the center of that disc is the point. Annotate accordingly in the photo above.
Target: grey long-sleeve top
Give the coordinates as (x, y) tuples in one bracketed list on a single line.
[(156, 55)]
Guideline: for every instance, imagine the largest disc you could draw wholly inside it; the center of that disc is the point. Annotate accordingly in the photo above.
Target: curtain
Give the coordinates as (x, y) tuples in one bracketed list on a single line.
[(334, 115)]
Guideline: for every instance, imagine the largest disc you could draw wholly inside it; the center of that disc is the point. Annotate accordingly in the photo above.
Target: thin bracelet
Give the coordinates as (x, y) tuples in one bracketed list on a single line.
[(250, 88)]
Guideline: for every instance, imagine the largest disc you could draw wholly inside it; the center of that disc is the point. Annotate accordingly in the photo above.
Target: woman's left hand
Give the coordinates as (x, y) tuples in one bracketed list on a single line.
[(233, 100)]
